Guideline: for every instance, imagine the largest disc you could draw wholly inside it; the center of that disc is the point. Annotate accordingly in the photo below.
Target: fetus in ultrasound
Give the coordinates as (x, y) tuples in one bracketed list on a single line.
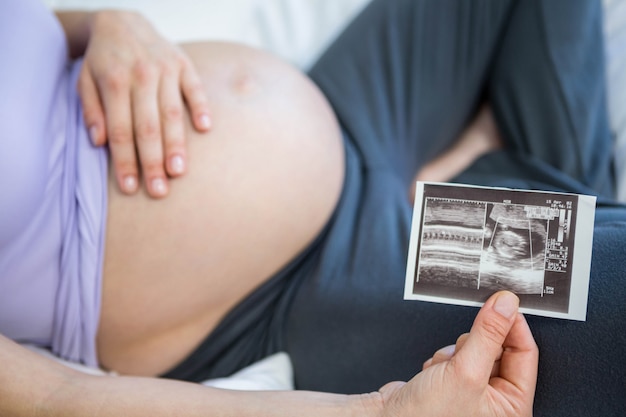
[(514, 252)]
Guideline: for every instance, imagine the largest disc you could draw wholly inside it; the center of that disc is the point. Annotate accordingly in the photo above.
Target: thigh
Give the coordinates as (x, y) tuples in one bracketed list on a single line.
[(582, 371), (351, 332), (548, 89), (406, 76), (575, 354)]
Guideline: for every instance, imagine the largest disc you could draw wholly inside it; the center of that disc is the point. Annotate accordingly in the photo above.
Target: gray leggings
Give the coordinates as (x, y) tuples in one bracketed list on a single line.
[(404, 79)]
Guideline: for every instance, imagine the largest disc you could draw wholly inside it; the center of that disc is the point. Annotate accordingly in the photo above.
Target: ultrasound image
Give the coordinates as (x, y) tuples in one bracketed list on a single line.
[(514, 250), (452, 242), (468, 242), (473, 244)]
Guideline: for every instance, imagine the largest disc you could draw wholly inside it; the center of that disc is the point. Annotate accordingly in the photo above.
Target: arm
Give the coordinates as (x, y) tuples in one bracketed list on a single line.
[(34, 386), (134, 86), (492, 373)]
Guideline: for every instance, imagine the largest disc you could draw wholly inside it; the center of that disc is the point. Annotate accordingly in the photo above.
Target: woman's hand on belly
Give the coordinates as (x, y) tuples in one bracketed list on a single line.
[(132, 85), (257, 192)]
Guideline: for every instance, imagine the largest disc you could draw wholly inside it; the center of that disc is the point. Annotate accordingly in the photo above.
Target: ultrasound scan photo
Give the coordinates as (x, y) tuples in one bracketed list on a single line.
[(469, 242)]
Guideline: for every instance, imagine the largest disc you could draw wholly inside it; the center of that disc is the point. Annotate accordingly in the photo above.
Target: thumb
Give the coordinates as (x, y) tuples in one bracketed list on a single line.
[(484, 343)]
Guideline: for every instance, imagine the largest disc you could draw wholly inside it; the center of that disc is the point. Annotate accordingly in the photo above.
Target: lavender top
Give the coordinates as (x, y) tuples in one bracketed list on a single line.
[(52, 191)]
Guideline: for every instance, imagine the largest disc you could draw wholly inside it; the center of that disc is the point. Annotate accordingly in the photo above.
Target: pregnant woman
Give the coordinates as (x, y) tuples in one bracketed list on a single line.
[(289, 228)]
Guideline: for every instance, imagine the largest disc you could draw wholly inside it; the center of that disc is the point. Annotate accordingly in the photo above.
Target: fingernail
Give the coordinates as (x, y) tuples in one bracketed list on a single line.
[(130, 184), (506, 304), (158, 186), (93, 134), (177, 164), (204, 121)]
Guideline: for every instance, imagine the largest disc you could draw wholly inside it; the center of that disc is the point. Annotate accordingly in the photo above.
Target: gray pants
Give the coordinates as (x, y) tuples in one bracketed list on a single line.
[(404, 80)]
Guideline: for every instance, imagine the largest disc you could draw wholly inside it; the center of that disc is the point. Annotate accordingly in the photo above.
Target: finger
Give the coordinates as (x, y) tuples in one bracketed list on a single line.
[(92, 108), (520, 357), (461, 340), (195, 96), (444, 354), (172, 124), (484, 344), (147, 129), (495, 371), (116, 100)]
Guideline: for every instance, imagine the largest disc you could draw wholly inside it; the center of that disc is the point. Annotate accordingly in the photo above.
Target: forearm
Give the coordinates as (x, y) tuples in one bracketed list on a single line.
[(34, 386), (77, 26), (26, 379), (128, 396)]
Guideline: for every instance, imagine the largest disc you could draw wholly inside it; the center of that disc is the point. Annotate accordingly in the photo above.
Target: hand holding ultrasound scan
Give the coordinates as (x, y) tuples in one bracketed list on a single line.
[(492, 371)]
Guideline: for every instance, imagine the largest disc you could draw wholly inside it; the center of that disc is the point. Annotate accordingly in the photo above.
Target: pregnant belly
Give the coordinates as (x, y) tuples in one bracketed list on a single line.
[(260, 187)]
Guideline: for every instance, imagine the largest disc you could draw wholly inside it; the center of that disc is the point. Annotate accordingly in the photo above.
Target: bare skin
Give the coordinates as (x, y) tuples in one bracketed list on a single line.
[(461, 383), (274, 158), (161, 300), (259, 188)]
